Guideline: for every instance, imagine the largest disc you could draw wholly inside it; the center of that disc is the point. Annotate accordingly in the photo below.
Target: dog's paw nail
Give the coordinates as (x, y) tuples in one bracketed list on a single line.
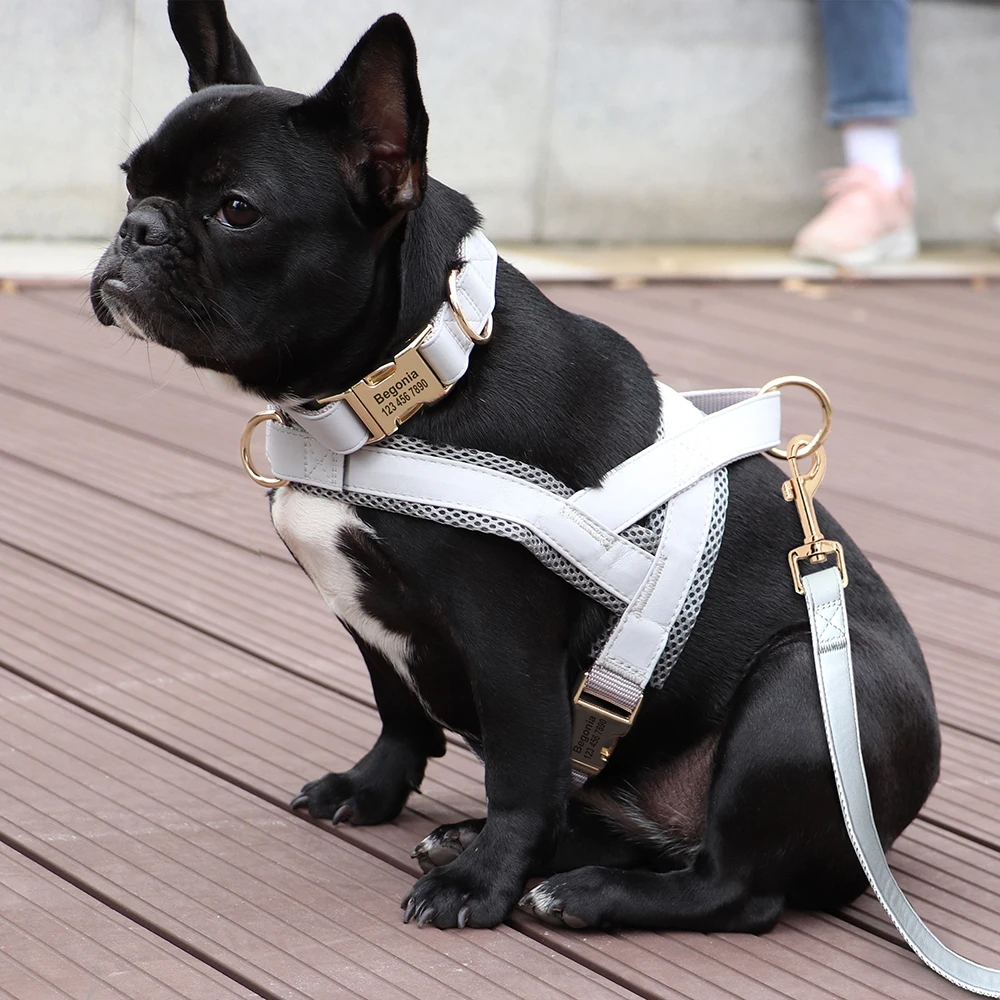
[(411, 906), (463, 916), (343, 813), (575, 922), (426, 914), (299, 801)]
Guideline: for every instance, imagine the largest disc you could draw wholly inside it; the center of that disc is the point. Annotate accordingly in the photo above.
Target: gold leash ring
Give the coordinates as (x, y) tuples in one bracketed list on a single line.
[(259, 418), (820, 393), (475, 336)]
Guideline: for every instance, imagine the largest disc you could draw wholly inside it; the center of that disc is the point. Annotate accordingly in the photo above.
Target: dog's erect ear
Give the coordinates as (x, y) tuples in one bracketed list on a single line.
[(214, 54), (375, 101)]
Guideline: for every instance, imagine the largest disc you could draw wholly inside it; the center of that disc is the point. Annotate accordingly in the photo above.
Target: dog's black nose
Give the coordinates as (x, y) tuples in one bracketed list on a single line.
[(145, 226)]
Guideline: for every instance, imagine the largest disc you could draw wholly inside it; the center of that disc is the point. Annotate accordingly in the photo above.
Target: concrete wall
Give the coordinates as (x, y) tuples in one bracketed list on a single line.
[(664, 120)]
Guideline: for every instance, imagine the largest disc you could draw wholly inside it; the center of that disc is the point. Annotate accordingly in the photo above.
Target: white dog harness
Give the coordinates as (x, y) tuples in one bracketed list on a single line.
[(643, 543)]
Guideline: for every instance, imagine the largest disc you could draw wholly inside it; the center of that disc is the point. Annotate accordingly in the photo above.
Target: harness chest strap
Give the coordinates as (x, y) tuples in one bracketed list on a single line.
[(586, 539), (585, 528)]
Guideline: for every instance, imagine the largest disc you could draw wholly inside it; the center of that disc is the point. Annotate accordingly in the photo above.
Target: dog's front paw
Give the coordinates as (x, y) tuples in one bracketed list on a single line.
[(572, 899), (460, 895), (441, 846), (344, 798)]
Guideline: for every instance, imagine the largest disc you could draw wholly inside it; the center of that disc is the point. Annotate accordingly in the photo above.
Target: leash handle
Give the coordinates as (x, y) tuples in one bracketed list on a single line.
[(824, 593)]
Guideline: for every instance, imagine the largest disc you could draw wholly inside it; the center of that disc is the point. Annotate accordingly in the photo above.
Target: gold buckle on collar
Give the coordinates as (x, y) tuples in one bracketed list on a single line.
[(390, 395), (597, 728)]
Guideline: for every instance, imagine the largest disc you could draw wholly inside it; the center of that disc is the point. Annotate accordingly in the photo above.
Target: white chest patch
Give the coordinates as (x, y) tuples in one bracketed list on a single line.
[(311, 526)]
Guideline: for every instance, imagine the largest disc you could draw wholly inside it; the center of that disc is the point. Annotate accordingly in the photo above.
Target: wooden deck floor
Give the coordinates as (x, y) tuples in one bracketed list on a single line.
[(156, 715)]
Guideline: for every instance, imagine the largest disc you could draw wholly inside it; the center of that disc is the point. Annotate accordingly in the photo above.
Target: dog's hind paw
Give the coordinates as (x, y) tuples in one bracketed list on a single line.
[(446, 843), (563, 901)]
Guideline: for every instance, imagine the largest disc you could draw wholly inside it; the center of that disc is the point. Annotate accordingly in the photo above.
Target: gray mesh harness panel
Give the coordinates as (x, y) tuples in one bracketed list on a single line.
[(644, 533)]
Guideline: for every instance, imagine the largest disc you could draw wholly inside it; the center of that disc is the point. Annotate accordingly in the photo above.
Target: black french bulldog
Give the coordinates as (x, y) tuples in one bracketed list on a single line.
[(296, 243)]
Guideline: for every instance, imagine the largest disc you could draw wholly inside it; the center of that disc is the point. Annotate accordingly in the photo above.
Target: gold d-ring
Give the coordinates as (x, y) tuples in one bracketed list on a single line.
[(474, 335), (259, 418), (820, 393)]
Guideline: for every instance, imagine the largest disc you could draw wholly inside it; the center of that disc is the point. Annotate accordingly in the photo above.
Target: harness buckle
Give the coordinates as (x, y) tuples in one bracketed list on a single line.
[(597, 728), (387, 397)]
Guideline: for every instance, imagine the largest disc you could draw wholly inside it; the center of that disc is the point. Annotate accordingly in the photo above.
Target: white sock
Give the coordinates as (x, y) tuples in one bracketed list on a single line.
[(876, 145)]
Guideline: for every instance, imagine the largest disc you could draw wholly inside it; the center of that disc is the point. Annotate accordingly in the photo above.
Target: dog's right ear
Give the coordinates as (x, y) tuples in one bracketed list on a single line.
[(374, 106), (214, 54)]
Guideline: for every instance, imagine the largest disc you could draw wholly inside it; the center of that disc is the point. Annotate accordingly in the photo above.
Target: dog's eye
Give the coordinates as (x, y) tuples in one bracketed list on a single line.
[(129, 186), (237, 214)]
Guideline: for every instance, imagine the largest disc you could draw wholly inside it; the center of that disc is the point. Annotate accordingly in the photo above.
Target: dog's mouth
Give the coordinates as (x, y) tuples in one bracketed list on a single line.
[(115, 306)]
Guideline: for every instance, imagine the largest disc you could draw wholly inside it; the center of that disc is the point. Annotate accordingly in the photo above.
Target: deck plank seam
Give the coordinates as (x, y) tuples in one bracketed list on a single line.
[(221, 833), (385, 855), (183, 393), (122, 908), (759, 329), (181, 522), (380, 855), (249, 650)]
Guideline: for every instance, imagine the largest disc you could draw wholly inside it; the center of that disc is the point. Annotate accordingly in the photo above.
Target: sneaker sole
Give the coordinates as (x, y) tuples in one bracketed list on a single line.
[(893, 248)]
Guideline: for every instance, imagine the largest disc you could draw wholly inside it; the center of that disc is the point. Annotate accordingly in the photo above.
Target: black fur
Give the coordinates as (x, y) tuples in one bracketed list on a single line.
[(348, 261)]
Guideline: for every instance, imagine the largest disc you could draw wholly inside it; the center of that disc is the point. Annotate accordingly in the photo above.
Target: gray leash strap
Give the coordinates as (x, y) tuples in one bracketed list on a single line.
[(824, 595)]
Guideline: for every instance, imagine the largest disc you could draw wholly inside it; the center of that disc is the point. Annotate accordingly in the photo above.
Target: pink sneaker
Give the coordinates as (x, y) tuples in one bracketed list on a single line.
[(864, 221)]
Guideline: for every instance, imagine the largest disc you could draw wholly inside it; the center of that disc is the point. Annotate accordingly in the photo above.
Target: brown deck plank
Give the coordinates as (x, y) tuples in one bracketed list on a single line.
[(276, 900), (200, 715), (281, 903), (889, 324), (955, 883), (918, 313), (912, 415), (695, 347), (806, 957), (58, 942), (196, 426), (242, 718), (212, 585), (188, 488), (73, 331), (875, 339)]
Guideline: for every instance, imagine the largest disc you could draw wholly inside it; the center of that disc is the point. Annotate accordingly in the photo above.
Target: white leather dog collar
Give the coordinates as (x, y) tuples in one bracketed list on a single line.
[(423, 372)]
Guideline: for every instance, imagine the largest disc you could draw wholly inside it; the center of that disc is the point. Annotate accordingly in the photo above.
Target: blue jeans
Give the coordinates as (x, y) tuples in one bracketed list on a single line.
[(867, 59)]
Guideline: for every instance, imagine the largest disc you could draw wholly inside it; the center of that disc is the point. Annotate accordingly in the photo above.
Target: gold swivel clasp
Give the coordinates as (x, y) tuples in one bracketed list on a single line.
[(802, 486)]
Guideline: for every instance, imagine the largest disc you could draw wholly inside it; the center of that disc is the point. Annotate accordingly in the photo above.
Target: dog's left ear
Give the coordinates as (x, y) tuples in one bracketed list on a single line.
[(214, 54), (376, 112)]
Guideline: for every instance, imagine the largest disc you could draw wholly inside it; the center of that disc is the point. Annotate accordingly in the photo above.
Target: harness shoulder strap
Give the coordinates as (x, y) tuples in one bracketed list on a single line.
[(824, 595), (697, 447)]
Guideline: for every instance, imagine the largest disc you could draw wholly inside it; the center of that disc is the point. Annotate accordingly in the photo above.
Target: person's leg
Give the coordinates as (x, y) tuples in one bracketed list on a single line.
[(867, 59), (869, 215)]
